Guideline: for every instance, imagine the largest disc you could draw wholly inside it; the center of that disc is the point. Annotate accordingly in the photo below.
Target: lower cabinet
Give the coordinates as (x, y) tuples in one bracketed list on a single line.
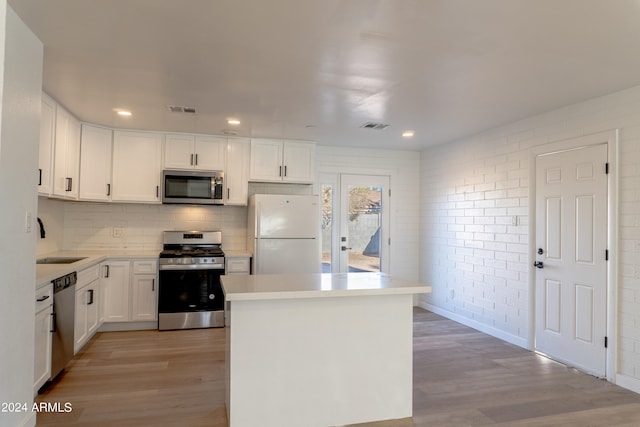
[(130, 290), (42, 343), (87, 315)]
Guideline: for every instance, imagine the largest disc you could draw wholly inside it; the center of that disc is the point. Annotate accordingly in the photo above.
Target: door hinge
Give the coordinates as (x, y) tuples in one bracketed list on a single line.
[(606, 342), (606, 168), (606, 255), (389, 241), (389, 192)]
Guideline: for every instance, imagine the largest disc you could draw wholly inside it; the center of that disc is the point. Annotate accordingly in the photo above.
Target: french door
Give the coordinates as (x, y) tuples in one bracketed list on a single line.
[(355, 223)]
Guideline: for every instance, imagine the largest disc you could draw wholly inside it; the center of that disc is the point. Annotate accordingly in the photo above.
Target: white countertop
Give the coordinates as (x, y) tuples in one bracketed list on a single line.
[(45, 273), (296, 286)]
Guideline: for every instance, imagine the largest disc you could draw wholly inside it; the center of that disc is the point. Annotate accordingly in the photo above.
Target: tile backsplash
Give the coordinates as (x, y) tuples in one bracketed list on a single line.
[(95, 226)]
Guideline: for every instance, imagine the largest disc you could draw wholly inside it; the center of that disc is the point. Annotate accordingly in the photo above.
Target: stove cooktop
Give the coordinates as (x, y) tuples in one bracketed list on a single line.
[(177, 253)]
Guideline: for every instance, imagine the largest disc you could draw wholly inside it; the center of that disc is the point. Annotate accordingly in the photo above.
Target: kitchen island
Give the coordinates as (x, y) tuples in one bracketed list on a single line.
[(318, 349)]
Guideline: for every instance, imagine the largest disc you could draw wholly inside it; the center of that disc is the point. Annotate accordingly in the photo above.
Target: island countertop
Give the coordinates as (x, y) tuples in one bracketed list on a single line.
[(297, 286)]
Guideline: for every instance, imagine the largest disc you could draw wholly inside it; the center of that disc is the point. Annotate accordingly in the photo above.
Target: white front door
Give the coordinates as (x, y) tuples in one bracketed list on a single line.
[(571, 244)]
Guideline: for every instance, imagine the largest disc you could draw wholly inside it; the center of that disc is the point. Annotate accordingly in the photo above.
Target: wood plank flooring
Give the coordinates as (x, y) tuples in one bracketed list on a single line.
[(461, 378)]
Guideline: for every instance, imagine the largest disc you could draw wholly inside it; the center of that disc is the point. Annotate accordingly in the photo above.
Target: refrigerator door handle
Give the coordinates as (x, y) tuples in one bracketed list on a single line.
[(257, 245)]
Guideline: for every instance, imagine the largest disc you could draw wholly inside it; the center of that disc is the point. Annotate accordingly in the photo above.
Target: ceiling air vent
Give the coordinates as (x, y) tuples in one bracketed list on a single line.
[(180, 109), (376, 126)]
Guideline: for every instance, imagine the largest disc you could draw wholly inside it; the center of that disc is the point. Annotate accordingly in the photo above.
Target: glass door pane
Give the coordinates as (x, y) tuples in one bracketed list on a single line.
[(364, 223), (327, 226)]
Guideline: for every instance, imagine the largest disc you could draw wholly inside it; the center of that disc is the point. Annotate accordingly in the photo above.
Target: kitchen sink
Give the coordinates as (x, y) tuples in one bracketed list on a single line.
[(59, 260)]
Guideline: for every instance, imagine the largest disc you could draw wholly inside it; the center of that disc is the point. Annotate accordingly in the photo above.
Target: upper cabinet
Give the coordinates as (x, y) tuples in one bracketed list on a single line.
[(282, 161), (95, 163), (137, 160), (237, 171), (66, 159), (47, 135), (197, 152)]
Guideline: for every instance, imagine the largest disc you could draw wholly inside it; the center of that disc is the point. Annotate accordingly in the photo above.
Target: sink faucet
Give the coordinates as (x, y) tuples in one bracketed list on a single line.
[(41, 228)]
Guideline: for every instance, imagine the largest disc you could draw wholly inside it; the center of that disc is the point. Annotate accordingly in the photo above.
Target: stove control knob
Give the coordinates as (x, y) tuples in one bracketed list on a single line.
[(211, 296)]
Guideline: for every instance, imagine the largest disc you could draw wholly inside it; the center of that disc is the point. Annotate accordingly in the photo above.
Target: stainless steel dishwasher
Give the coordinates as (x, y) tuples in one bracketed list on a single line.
[(64, 308)]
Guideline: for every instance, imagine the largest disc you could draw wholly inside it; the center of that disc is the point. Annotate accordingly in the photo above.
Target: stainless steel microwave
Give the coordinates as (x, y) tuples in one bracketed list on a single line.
[(193, 187)]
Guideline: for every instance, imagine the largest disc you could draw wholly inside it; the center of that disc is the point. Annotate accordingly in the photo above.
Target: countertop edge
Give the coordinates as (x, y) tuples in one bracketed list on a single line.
[(334, 293)]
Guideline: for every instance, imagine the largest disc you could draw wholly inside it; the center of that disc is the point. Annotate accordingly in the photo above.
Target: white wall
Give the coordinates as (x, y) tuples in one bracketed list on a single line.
[(21, 78), (477, 261), (403, 167)]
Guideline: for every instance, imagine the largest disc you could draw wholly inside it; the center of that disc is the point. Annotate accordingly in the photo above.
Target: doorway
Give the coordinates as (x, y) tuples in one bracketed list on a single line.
[(355, 223), (571, 253)]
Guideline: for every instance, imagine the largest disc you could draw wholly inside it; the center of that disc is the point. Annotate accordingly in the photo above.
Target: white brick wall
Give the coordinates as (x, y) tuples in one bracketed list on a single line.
[(472, 191)]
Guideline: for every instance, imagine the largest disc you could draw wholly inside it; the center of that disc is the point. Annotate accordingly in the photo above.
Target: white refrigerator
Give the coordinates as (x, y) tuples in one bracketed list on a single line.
[(283, 232)]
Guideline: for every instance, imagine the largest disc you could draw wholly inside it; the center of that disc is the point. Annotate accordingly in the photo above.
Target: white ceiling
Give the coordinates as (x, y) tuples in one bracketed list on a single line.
[(319, 69)]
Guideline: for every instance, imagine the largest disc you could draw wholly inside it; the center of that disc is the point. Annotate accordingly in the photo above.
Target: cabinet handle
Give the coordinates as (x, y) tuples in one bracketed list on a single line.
[(39, 176), (285, 171), (108, 189), (153, 285), (191, 162), (157, 191), (54, 323), (228, 193), (280, 173), (196, 159), (44, 298), (69, 183), (90, 297), (106, 271)]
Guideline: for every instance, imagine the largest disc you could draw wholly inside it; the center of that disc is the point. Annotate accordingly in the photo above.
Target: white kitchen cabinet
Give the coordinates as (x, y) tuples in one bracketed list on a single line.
[(136, 167), (43, 337), (87, 312), (237, 265), (144, 287), (237, 171), (198, 152), (47, 137), (282, 161), (96, 146), (66, 159), (115, 282)]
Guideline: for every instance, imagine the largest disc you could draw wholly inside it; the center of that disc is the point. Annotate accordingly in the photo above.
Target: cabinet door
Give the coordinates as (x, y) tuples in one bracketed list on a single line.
[(95, 163), (115, 285), (210, 153), (136, 167), (179, 151), (42, 348), (66, 155), (47, 135), (144, 297), (93, 307), (80, 330), (237, 172), (299, 162), (266, 160)]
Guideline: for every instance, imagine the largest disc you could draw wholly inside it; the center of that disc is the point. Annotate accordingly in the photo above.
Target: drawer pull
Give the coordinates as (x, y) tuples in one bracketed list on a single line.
[(44, 298)]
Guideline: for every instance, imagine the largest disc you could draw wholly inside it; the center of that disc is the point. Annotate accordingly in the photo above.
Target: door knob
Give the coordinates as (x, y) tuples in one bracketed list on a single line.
[(538, 264), (344, 248)]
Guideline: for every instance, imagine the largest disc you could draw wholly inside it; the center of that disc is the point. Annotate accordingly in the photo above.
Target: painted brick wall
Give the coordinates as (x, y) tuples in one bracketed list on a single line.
[(474, 221)]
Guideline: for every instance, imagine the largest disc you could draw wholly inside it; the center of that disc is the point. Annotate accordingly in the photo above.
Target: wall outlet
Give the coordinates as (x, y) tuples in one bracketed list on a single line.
[(118, 232)]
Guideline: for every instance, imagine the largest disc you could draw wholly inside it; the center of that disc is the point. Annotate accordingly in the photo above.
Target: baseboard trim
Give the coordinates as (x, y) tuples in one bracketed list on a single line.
[(625, 381), (128, 326), (494, 332)]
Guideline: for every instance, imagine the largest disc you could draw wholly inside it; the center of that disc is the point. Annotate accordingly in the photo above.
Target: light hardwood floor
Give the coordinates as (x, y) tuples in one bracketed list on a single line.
[(461, 378)]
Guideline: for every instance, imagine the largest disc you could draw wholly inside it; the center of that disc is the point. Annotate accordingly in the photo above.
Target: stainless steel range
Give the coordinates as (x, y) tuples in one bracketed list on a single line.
[(190, 294)]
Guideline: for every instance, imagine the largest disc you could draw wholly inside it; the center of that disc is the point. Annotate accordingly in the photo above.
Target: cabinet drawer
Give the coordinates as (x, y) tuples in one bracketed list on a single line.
[(88, 275), (44, 298), (145, 267), (237, 265)]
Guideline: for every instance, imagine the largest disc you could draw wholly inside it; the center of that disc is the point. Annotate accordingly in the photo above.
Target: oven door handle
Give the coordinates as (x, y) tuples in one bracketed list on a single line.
[(193, 267)]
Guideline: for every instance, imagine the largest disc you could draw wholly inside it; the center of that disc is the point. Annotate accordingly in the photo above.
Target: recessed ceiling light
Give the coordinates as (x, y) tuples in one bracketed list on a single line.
[(408, 133), (233, 121), (124, 113)]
